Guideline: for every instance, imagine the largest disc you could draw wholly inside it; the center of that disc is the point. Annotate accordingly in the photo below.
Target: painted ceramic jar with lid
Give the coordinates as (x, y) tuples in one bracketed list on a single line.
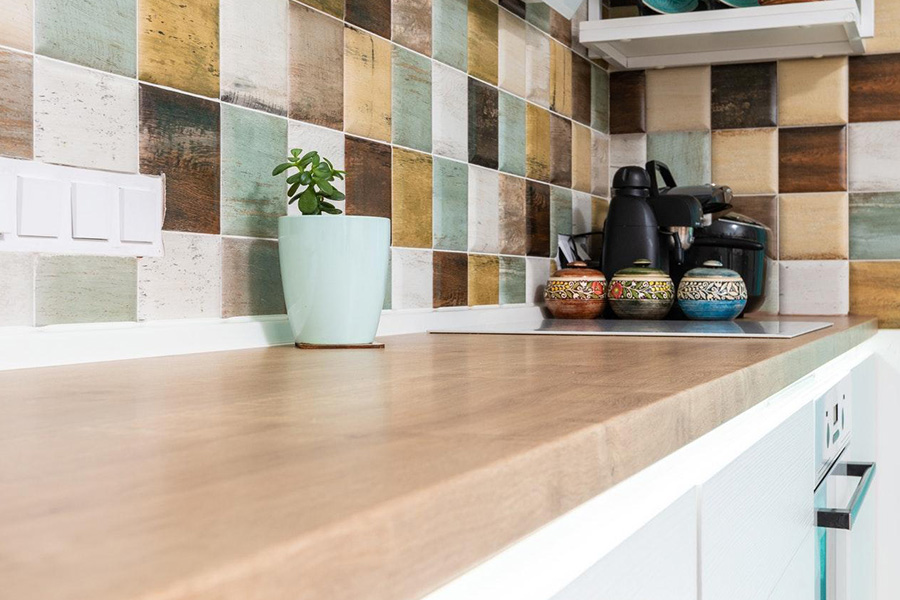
[(712, 293), (576, 292), (641, 292)]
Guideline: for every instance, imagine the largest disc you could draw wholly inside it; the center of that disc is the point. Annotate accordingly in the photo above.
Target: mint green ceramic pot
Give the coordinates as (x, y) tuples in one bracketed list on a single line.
[(334, 270)]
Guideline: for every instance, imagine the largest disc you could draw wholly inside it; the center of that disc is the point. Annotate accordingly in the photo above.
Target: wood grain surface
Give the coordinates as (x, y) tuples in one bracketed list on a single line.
[(812, 159), (628, 114), (411, 210), (484, 133), (874, 88), (537, 219), (316, 39), (451, 279), (367, 85), (560, 151), (581, 89), (744, 95), (873, 290), (483, 40), (368, 178), (512, 215), (372, 15), (16, 105), (411, 24)]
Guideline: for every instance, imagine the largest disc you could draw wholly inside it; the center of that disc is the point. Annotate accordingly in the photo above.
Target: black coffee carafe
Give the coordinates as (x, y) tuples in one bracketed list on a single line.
[(631, 232)]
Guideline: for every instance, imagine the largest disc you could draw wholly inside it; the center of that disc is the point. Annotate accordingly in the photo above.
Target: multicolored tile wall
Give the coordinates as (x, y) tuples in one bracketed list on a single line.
[(479, 127)]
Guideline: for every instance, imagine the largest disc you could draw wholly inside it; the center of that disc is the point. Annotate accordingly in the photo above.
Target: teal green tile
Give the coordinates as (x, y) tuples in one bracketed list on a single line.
[(388, 286), (101, 34), (252, 200), (687, 153), (512, 134), (450, 32), (599, 99), (874, 223), (512, 280), (451, 205), (411, 99), (560, 215), (85, 289), (538, 14)]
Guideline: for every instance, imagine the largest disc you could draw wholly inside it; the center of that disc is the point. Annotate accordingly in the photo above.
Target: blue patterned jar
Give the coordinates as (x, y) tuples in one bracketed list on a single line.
[(712, 293)]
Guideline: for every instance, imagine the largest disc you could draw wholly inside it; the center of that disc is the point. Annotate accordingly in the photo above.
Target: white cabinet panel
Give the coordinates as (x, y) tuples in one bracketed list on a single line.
[(798, 582)]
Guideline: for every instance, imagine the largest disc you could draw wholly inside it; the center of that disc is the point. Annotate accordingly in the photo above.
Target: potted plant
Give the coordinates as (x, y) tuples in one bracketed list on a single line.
[(334, 269)]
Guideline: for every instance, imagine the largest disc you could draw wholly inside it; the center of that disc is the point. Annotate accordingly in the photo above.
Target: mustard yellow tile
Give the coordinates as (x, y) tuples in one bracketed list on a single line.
[(581, 157), (814, 226), (887, 28), (746, 160), (599, 210), (178, 44), (537, 143), (813, 91), (678, 99), (483, 44), (411, 182), (367, 85), (873, 291), (16, 24), (484, 279), (560, 79)]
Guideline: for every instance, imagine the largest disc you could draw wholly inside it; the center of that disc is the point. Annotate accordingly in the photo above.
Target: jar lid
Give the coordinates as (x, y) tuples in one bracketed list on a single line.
[(713, 269), (578, 270), (642, 267)]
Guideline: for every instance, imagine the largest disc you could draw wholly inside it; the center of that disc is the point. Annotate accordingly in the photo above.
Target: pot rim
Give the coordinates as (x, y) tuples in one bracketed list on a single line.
[(342, 216)]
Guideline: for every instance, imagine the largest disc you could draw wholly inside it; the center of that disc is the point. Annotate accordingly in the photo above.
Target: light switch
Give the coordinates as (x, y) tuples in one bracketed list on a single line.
[(8, 184), (40, 206), (139, 215), (92, 210)]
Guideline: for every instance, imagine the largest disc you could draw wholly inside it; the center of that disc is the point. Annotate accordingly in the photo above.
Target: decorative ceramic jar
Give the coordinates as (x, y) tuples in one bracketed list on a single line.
[(641, 292), (712, 293), (576, 292)]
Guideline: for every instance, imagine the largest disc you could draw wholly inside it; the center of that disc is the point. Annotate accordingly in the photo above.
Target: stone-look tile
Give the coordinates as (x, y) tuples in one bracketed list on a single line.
[(599, 164), (84, 118), (16, 27), (450, 32), (874, 88), (484, 127), (16, 105), (512, 50), (678, 99), (330, 144), (813, 226), (537, 219), (537, 143), (180, 137), (537, 272), (560, 216), (516, 7), (412, 278), (561, 28), (763, 209), (512, 215), (812, 159), (484, 280), (686, 153), (483, 28), (512, 134), (315, 40), (411, 100), (537, 67), (812, 287), (368, 178), (178, 44), (512, 280), (628, 113), (887, 17), (873, 291), (253, 41), (411, 179), (16, 289), (581, 213), (581, 157), (628, 150), (600, 91), (450, 280), (744, 95), (812, 92), (484, 210), (560, 79), (100, 34), (746, 160), (252, 199), (251, 278), (387, 289), (771, 304), (371, 15), (84, 289), (874, 148), (411, 24), (184, 283), (560, 151), (367, 85), (874, 223), (332, 7), (581, 89), (450, 112), (450, 212), (538, 14)]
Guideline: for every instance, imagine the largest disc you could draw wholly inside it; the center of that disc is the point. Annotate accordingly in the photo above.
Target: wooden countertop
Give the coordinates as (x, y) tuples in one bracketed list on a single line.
[(278, 474)]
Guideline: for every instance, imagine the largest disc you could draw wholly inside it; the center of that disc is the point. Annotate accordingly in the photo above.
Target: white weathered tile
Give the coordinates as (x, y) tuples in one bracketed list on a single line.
[(772, 302), (537, 272), (184, 283), (537, 67), (484, 210), (600, 164), (512, 53), (450, 112), (581, 212), (580, 16), (411, 278), (16, 289), (328, 142), (874, 148), (813, 287), (628, 149), (85, 118), (253, 42)]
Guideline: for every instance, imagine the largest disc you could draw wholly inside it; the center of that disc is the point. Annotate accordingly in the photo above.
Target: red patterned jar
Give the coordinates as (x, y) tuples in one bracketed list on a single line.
[(576, 292)]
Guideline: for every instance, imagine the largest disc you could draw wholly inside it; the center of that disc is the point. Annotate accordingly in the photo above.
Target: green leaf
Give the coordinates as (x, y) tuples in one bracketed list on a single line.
[(323, 169), (308, 202), (294, 178), (296, 152), (305, 178), (293, 188), (315, 160), (326, 187), (332, 210), (337, 196), (281, 168)]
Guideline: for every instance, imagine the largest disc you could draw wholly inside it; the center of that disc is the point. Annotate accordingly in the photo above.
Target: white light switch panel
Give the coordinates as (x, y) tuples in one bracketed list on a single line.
[(40, 206), (138, 215), (92, 210)]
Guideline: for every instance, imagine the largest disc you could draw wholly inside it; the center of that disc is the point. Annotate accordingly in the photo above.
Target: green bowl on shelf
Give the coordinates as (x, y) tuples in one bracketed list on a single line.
[(668, 7), (740, 3)]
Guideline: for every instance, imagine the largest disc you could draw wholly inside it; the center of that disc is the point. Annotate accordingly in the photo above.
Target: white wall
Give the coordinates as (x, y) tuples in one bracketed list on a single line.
[(887, 344)]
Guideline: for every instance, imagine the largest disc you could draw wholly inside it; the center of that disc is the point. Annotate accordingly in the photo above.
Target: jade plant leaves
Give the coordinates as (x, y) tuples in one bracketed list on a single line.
[(315, 173)]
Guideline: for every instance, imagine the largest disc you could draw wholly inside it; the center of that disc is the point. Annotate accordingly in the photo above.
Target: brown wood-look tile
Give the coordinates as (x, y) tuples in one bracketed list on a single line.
[(180, 138), (16, 105), (368, 178), (411, 205), (332, 7), (873, 291), (484, 280), (765, 210), (512, 215), (581, 89), (251, 278), (483, 40), (411, 24), (875, 88), (371, 15), (537, 219), (812, 159), (537, 142), (516, 7), (316, 39), (367, 85), (450, 280), (560, 151), (561, 28), (744, 95), (560, 79), (484, 126), (628, 102)]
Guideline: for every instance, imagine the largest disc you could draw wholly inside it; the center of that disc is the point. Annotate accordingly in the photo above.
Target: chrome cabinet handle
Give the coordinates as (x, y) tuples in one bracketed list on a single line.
[(843, 518)]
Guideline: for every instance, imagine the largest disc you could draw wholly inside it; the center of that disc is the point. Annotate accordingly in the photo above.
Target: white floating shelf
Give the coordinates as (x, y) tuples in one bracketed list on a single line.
[(801, 30)]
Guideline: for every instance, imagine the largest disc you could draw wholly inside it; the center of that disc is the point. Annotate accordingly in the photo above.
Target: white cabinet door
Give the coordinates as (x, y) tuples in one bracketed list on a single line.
[(756, 512), (798, 582)]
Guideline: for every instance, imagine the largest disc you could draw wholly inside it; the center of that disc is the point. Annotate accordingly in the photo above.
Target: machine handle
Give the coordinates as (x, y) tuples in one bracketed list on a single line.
[(655, 166), (729, 243), (843, 518)]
